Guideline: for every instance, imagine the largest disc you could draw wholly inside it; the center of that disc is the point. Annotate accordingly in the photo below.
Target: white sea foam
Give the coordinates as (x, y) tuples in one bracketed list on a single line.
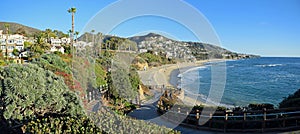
[(193, 69), (269, 65), (203, 98), (218, 61)]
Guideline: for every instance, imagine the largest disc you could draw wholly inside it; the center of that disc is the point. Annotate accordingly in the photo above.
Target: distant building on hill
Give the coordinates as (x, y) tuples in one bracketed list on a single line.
[(57, 44), (80, 45), (14, 41)]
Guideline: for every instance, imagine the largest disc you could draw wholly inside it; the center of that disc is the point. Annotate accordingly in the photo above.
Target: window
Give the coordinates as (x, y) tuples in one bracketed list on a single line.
[(10, 47)]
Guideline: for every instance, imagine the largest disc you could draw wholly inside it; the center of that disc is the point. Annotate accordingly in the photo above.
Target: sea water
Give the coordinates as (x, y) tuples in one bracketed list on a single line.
[(261, 80)]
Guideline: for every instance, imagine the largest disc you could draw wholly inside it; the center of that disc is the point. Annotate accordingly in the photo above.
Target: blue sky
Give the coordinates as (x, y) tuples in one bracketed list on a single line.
[(264, 27)]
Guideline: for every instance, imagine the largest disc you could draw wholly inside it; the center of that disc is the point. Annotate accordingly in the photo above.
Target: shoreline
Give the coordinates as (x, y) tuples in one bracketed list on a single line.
[(172, 71)]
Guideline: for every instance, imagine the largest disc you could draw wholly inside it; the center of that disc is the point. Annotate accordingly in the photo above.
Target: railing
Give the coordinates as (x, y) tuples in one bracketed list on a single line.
[(247, 121), (94, 94)]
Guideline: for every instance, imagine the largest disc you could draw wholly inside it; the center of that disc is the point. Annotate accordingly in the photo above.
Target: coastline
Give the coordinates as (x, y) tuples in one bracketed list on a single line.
[(172, 71)]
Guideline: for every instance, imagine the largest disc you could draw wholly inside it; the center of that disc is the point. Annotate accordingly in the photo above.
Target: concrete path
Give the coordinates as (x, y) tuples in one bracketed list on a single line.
[(148, 112)]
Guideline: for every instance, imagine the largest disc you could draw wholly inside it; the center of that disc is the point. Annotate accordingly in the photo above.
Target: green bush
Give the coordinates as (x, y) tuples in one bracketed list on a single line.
[(260, 106), (100, 74), (134, 80), (30, 91), (155, 59), (113, 123), (53, 63), (60, 125), (291, 101), (151, 57)]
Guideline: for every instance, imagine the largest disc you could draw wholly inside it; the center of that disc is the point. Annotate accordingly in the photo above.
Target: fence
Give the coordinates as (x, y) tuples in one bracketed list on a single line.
[(95, 94), (239, 121)]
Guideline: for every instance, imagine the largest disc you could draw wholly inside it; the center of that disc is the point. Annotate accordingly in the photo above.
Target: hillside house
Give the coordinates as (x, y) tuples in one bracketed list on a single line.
[(57, 48), (12, 42)]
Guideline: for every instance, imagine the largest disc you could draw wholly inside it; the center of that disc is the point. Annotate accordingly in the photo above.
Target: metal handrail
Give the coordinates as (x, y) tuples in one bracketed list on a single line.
[(239, 116)]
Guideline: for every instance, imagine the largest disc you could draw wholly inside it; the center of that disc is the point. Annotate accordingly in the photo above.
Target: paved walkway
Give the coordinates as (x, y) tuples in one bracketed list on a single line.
[(148, 111)]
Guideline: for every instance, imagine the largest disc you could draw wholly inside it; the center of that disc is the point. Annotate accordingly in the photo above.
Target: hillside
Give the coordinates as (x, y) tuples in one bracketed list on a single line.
[(186, 50), (171, 48), (18, 28), (109, 42)]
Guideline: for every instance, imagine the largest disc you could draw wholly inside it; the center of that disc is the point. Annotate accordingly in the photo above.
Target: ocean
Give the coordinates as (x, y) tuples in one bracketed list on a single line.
[(261, 80)]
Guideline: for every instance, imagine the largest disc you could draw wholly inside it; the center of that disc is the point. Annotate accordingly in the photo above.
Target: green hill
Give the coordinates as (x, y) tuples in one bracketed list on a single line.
[(18, 28), (199, 50)]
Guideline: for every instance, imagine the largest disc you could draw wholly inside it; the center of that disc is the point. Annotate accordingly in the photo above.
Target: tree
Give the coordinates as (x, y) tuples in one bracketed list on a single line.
[(72, 11), (27, 45), (76, 34), (94, 44), (6, 46), (60, 34), (100, 37), (69, 33), (15, 52), (2, 62), (121, 81), (27, 92), (92, 32), (48, 34), (40, 46)]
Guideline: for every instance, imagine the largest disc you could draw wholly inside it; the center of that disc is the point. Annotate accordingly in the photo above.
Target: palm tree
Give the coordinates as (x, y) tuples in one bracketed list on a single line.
[(94, 45), (100, 42), (76, 34), (48, 32), (6, 46), (40, 46), (72, 11), (69, 32), (93, 31)]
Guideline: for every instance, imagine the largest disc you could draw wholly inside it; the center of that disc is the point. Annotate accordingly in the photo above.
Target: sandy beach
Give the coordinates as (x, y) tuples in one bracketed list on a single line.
[(167, 75)]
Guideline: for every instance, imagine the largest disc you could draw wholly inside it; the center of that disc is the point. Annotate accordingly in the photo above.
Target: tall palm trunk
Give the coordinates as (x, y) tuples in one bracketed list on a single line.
[(73, 25), (6, 45), (72, 11)]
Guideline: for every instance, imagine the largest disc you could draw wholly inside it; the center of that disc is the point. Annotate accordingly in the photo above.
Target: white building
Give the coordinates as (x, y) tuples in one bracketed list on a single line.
[(55, 41), (16, 41), (143, 50), (56, 44), (12, 42), (65, 40), (81, 45), (57, 48)]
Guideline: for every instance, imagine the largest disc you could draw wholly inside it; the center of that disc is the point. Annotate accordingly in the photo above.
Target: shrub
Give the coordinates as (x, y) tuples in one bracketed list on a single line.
[(260, 106), (59, 125), (29, 91), (118, 124), (53, 63), (291, 101)]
